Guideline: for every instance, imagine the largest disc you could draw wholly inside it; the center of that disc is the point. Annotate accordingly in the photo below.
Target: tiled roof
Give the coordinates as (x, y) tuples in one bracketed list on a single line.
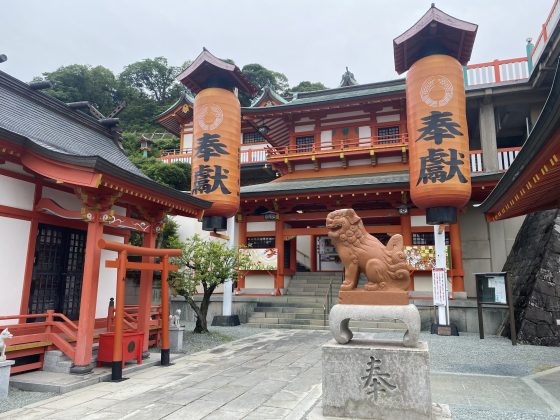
[(49, 127), (280, 187), (55, 129)]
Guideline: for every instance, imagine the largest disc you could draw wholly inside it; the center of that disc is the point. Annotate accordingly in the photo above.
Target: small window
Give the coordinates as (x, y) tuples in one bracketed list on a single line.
[(388, 134), (426, 238), (261, 242), (305, 144), (254, 137)]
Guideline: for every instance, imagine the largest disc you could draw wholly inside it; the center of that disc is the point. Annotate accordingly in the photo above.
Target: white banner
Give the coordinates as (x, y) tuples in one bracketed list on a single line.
[(439, 280)]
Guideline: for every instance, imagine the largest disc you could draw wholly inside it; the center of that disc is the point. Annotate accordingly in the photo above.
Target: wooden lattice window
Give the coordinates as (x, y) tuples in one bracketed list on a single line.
[(388, 134)]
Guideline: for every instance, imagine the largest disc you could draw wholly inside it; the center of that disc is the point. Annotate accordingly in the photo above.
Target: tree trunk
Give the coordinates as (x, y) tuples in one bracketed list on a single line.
[(201, 313)]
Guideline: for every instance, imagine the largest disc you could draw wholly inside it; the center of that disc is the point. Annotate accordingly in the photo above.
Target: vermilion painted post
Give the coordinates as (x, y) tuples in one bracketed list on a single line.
[(86, 325), (279, 279), (117, 364), (458, 280), (165, 312), (497, 71), (313, 254), (406, 232), (145, 300)]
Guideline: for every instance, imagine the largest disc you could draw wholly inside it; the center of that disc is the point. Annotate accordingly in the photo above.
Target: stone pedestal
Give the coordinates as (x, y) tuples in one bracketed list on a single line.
[(363, 379), (176, 339), (5, 377)]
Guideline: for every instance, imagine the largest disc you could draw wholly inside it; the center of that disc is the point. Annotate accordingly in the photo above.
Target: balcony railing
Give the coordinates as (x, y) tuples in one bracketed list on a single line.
[(246, 156), (497, 71), (546, 29), (350, 146), (505, 159)]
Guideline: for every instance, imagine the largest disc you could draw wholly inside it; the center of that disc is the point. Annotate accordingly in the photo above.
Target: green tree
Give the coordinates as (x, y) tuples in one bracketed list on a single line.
[(152, 77), (260, 77), (208, 263), (307, 86), (78, 82), (175, 175)]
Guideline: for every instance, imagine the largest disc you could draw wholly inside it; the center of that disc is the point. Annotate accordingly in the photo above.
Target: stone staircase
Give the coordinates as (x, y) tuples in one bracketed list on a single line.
[(303, 306)]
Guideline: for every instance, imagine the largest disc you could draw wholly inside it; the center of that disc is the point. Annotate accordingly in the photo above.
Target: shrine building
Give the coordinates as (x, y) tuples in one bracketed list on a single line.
[(348, 147), (65, 183)]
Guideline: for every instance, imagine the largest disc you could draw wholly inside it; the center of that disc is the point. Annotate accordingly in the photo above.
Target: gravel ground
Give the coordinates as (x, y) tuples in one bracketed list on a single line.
[(491, 356), (18, 399), (193, 343), (469, 413)]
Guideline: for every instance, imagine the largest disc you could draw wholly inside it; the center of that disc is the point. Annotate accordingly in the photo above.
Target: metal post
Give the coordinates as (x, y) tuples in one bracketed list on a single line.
[(117, 364), (228, 295), (441, 262)]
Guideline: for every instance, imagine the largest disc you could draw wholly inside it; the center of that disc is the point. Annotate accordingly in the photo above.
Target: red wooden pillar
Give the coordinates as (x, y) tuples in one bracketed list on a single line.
[(117, 363), (313, 253), (145, 300), (458, 280), (165, 312), (88, 301), (242, 226), (279, 278), (293, 255), (406, 232)]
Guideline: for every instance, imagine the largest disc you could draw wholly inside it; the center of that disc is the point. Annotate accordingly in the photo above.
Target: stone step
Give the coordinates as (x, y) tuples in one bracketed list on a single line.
[(315, 304), (289, 309), (321, 327), (289, 299)]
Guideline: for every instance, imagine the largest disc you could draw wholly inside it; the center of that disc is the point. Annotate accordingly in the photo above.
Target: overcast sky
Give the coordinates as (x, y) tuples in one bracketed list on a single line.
[(304, 39)]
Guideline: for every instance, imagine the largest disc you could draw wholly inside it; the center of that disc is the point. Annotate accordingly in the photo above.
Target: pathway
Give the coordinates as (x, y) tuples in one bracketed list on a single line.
[(277, 374)]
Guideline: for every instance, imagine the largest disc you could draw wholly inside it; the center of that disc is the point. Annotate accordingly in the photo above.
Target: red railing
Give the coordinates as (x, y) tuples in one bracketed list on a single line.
[(497, 71), (185, 155), (546, 29), (131, 319), (342, 146), (51, 329)]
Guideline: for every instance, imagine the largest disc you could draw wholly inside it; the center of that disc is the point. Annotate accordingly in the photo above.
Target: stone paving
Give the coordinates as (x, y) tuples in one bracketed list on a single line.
[(277, 374)]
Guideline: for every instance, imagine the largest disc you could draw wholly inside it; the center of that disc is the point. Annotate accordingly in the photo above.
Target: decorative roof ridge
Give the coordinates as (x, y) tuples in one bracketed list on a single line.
[(52, 103), (359, 87), (184, 98), (434, 13), (207, 59), (267, 90)]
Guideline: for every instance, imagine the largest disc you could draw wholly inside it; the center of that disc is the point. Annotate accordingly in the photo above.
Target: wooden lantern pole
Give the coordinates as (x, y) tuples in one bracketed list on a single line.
[(117, 364)]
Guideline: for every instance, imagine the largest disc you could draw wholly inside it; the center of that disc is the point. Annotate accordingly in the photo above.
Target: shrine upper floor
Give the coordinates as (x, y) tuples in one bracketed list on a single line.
[(365, 124)]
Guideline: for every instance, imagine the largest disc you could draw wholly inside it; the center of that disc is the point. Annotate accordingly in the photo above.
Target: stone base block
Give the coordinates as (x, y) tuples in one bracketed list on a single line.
[(176, 339), (376, 381), (225, 321), (5, 377), (57, 361), (364, 297)]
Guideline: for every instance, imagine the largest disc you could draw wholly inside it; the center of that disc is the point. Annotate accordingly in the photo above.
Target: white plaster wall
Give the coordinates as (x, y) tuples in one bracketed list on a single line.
[(343, 114), (326, 138), (187, 227), (259, 281), (13, 256), (388, 108), (14, 167), (63, 199), (107, 286), (303, 246), (389, 159), (336, 164), (187, 141), (364, 132), (303, 128), (16, 193), (388, 118), (257, 146), (358, 162), (261, 226), (304, 166), (349, 122), (418, 220)]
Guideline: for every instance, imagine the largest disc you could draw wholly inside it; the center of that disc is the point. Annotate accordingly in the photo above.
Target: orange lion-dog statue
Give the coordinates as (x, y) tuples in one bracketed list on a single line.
[(385, 267)]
